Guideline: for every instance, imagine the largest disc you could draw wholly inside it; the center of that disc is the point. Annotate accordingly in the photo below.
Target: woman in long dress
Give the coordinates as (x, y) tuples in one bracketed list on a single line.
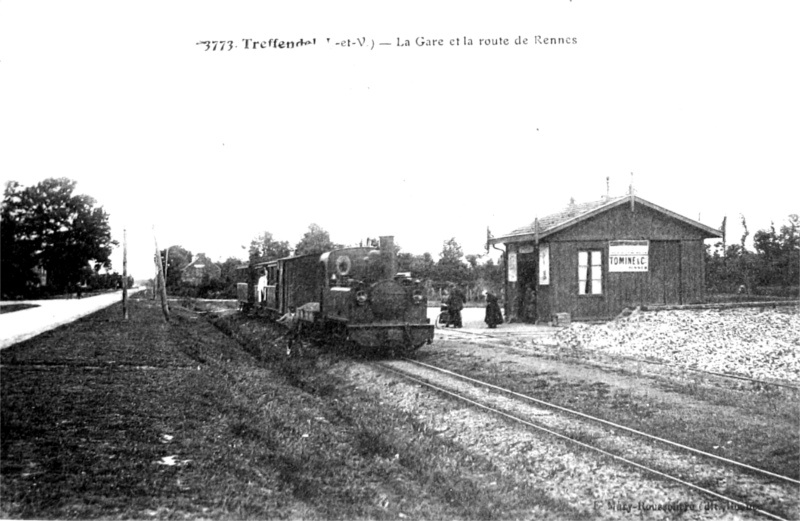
[(493, 314)]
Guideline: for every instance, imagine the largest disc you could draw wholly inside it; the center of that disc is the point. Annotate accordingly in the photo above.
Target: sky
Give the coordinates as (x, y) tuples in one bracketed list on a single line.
[(695, 103)]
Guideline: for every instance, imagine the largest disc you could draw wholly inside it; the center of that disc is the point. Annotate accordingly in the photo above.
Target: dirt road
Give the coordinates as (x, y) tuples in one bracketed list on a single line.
[(49, 314)]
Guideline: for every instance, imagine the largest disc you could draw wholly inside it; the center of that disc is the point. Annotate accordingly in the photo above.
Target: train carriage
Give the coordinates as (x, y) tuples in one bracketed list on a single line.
[(257, 287)]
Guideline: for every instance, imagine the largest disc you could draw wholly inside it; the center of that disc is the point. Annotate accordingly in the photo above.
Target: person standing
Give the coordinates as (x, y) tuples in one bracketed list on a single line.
[(455, 305), (493, 314), (292, 325)]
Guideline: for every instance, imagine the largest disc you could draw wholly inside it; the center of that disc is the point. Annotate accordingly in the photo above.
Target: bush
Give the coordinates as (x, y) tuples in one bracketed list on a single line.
[(778, 291)]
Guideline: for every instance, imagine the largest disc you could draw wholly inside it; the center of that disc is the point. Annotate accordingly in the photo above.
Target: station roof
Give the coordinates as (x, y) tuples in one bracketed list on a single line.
[(578, 212)]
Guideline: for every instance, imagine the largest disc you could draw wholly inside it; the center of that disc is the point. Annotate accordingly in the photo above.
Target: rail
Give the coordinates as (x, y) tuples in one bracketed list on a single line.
[(587, 446), (634, 360)]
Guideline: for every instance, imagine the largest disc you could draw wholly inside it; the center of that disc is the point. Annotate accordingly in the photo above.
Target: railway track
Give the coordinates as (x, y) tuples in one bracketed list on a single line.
[(514, 335), (746, 487)]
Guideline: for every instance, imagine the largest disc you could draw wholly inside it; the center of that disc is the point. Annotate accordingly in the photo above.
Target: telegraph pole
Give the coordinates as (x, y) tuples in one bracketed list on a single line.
[(166, 263), (124, 274), (160, 279), (155, 274)]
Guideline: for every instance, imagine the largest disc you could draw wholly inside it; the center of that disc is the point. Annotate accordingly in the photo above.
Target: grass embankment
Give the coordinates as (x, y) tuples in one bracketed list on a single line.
[(142, 419), (10, 308), (423, 475), (758, 427)]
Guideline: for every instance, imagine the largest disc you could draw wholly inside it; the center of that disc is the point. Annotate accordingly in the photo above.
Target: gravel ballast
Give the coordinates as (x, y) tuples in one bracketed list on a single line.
[(598, 487), (762, 344)]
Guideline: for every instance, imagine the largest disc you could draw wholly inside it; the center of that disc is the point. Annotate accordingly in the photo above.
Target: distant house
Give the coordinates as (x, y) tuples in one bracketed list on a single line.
[(41, 273), (592, 260), (200, 267)]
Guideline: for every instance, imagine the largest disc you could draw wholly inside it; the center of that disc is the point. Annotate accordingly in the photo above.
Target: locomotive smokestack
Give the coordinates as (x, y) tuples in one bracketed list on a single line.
[(387, 252)]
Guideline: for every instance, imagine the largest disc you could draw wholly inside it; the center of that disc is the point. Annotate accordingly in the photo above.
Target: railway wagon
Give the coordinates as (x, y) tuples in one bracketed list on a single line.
[(352, 294)]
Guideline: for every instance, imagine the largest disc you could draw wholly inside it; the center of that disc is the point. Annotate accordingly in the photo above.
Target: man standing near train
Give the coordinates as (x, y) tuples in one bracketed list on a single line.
[(292, 325), (455, 304)]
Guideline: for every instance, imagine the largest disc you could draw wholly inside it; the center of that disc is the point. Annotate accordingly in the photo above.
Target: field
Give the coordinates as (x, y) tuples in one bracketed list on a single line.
[(142, 419), (205, 417)]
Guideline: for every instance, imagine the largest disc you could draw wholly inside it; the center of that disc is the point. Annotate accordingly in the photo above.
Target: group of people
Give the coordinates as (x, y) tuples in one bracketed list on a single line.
[(455, 299)]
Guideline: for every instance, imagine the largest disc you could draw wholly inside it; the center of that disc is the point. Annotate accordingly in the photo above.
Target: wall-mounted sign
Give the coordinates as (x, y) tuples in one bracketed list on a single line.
[(526, 248), (512, 266), (627, 256), (544, 264)]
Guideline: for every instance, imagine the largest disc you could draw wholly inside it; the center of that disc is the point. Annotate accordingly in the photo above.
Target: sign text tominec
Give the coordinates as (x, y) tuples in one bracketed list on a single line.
[(626, 256)]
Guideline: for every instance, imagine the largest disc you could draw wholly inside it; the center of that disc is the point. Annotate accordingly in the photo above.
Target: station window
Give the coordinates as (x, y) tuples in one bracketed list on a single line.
[(590, 272)]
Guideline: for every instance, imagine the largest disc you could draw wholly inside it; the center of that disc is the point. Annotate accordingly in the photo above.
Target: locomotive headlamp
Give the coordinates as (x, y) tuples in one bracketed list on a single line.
[(417, 298), (361, 297)]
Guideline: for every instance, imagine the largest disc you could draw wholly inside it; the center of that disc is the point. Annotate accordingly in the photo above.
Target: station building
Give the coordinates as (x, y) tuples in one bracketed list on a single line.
[(592, 260)]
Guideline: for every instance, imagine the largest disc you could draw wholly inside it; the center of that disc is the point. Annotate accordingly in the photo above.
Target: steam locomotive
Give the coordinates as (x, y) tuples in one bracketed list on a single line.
[(353, 295)]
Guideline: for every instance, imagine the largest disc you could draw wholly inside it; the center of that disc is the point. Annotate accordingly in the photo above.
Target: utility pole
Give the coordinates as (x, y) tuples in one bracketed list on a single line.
[(160, 279), (155, 274), (166, 263), (124, 274)]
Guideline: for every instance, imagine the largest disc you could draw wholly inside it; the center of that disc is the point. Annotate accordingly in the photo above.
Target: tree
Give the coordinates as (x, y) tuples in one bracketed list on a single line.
[(779, 254), (404, 261), (493, 275), (775, 263), (315, 240), (228, 276), (178, 258), (106, 281), (450, 267), (423, 266), (228, 269), (47, 226), (17, 249), (265, 247), (484, 277), (451, 252)]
